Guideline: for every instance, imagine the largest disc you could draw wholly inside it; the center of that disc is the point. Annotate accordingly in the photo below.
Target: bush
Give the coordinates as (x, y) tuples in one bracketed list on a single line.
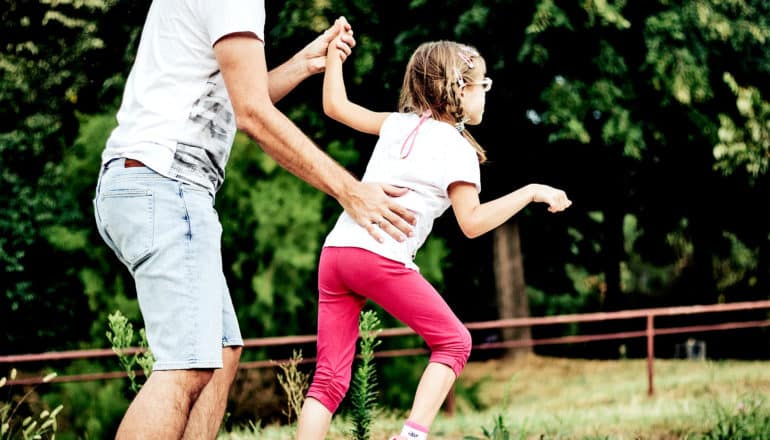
[(749, 419)]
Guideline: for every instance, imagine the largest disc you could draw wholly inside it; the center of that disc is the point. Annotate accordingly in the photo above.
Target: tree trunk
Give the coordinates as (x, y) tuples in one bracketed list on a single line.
[(512, 299)]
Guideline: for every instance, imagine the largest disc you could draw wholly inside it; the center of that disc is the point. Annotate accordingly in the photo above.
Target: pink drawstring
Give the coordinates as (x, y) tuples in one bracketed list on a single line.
[(413, 135)]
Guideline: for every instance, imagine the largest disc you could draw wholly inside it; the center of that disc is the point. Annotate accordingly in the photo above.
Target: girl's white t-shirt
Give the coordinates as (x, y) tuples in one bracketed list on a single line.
[(439, 157), (176, 115)]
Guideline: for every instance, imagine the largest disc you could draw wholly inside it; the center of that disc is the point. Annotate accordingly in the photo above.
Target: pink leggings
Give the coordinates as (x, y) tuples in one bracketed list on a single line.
[(347, 277)]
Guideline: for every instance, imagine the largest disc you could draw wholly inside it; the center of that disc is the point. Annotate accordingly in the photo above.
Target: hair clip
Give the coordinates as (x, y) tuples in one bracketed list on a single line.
[(459, 78), (465, 58)]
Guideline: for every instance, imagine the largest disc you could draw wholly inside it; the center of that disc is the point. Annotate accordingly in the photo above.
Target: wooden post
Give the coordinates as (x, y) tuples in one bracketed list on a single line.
[(512, 300)]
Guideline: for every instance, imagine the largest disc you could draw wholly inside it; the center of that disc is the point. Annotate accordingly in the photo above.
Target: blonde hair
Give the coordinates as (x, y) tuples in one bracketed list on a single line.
[(433, 82)]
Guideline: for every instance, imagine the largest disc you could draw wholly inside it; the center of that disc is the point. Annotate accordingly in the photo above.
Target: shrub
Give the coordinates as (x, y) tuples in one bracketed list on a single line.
[(14, 425)]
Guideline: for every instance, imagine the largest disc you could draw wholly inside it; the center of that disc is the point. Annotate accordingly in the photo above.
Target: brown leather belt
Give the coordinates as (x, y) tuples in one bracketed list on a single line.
[(131, 163)]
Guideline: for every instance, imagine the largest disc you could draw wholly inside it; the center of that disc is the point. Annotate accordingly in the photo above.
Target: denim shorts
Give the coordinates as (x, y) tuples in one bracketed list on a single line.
[(168, 235)]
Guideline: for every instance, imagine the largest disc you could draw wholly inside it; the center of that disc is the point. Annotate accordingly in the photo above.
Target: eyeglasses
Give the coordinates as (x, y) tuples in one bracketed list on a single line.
[(485, 83)]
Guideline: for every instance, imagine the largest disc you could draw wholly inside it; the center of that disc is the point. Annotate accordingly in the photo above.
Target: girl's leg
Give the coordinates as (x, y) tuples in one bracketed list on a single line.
[(314, 420), (338, 312), (436, 381), (406, 295)]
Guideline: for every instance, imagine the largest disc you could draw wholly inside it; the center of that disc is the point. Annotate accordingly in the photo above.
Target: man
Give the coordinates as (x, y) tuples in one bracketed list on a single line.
[(200, 73)]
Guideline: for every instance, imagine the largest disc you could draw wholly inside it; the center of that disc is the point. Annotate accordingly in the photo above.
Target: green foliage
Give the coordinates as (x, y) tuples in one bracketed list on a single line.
[(273, 231), (574, 103), (121, 338), (92, 409), (432, 261), (14, 425), (363, 391), (747, 420), (48, 69), (746, 145), (737, 267), (644, 277), (404, 371), (294, 383), (499, 431)]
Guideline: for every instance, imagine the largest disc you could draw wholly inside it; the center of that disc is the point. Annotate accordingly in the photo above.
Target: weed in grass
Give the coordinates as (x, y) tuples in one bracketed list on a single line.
[(749, 419), (499, 431), (122, 338), (294, 383), (12, 426), (364, 384)]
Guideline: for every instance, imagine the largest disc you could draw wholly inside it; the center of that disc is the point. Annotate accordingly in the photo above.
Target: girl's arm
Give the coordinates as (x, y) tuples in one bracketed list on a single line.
[(477, 218), (335, 99)]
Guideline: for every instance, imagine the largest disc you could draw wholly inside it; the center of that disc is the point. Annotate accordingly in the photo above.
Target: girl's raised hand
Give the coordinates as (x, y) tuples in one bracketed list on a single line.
[(337, 39), (556, 199)]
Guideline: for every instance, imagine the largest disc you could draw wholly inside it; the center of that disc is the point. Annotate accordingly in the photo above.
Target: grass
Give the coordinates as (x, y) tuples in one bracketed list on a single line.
[(554, 398)]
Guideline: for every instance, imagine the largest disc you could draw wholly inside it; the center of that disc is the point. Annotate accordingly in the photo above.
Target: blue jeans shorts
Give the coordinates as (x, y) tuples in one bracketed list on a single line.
[(168, 235)]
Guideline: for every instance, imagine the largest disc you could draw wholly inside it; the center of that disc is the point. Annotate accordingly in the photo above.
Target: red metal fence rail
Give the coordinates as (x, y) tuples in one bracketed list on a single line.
[(649, 331)]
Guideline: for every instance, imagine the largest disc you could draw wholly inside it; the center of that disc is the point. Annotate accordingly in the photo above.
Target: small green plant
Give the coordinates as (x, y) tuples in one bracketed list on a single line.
[(294, 383), (364, 384), (748, 419), (498, 432), (30, 427), (121, 337)]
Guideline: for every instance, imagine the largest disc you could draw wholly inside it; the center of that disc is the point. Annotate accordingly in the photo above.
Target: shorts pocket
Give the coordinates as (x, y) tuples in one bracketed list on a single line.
[(127, 218)]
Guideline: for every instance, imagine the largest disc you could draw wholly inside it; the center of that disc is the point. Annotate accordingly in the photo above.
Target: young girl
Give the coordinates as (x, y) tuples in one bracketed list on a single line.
[(425, 148)]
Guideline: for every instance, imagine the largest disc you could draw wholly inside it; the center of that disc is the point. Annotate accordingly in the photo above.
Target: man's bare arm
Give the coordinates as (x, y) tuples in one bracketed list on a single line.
[(241, 58), (310, 60)]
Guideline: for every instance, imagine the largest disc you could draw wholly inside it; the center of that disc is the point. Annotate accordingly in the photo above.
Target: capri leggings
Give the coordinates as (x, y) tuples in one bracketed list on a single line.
[(347, 277)]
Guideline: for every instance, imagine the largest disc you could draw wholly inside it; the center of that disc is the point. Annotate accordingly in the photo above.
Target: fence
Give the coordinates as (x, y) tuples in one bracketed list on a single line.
[(648, 331)]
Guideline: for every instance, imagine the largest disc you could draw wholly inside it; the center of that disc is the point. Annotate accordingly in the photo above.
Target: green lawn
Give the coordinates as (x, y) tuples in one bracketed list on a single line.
[(577, 399)]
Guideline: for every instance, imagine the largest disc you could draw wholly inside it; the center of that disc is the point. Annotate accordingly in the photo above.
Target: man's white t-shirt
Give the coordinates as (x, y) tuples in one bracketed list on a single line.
[(439, 157), (176, 116)]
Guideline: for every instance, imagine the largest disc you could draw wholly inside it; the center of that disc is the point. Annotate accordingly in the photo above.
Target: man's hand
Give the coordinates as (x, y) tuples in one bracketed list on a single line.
[(371, 206), (314, 54)]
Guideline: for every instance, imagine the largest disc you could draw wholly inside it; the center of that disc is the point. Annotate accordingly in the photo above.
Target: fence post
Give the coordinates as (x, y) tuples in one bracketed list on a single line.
[(650, 354)]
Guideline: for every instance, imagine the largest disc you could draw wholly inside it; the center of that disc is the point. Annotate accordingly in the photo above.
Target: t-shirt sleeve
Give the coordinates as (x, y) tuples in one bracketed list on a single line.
[(461, 164), (230, 16)]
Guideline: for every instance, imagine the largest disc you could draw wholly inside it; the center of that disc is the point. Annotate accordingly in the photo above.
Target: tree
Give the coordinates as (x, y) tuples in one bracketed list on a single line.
[(645, 85), (41, 85)]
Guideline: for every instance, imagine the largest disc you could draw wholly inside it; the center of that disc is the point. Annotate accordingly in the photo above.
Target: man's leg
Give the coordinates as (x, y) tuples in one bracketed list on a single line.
[(162, 407), (208, 410), (168, 235)]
